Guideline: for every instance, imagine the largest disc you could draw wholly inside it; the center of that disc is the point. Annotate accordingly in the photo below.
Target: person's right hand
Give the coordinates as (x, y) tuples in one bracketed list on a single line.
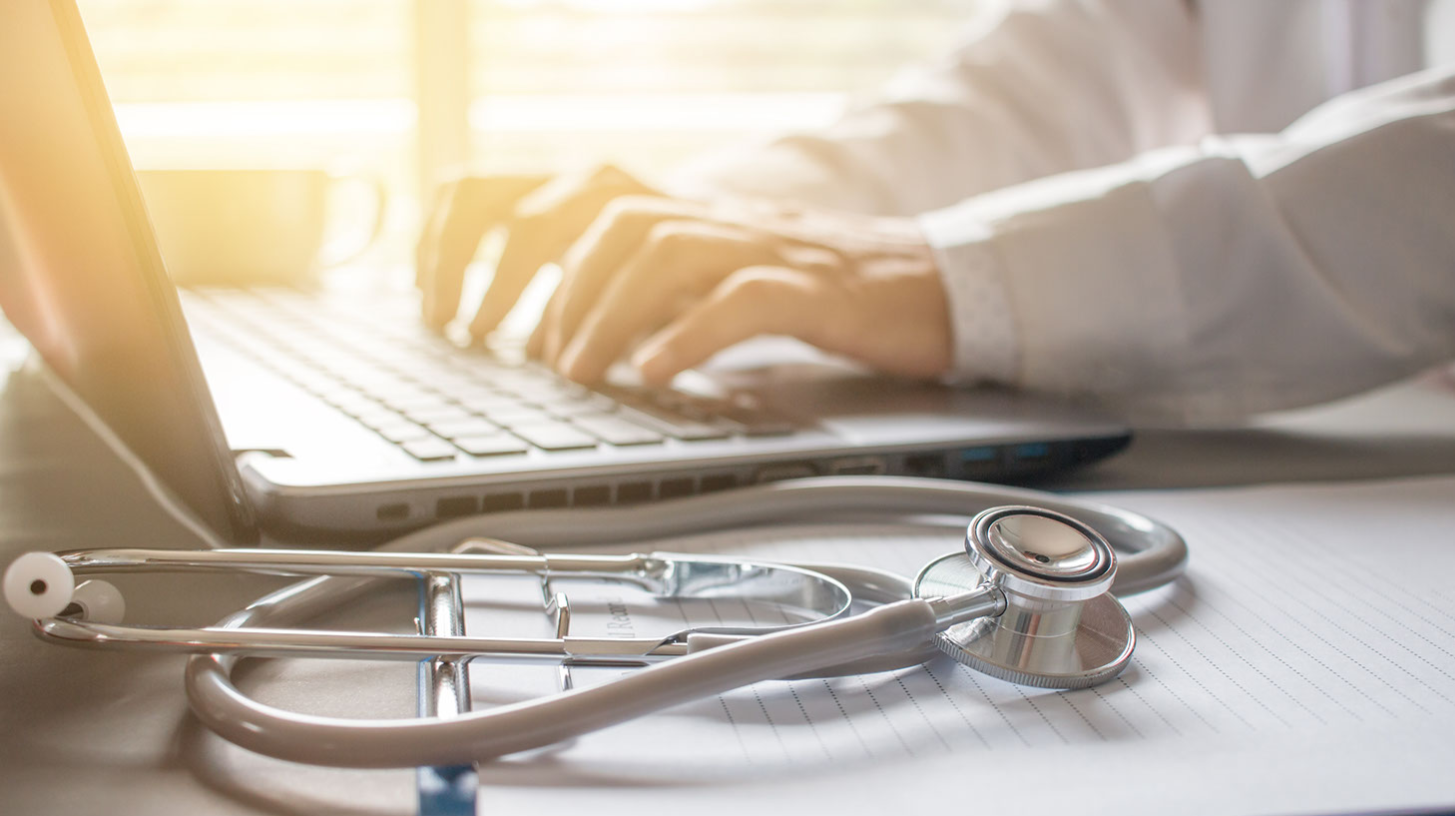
[(542, 216)]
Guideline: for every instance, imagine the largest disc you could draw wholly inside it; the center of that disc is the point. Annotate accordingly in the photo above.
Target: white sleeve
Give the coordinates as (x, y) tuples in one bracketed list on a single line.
[(1199, 284), (1038, 87)]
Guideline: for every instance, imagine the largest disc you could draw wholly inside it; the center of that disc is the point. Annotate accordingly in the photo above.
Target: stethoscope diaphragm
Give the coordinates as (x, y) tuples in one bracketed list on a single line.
[(1061, 628)]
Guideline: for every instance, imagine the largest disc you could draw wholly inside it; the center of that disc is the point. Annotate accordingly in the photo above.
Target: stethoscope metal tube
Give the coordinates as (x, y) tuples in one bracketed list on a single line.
[(807, 595), (323, 643), (1026, 602)]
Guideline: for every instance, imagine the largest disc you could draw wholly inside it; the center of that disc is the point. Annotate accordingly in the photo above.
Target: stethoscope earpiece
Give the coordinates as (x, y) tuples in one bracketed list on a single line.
[(39, 585), (1061, 628)]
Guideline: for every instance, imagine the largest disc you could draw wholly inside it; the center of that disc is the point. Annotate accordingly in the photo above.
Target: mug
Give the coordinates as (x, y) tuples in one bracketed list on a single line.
[(252, 226)]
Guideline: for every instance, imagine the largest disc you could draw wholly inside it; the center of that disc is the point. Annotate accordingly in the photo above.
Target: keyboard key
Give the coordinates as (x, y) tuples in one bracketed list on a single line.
[(485, 403), (676, 402), (576, 406), (546, 393), (455, 428), (396, 396), (472, 391), (616, 430), (432, 449), (379, 418), (499, 444), (348, 400), (517, 415), (668, 423), (446, 385), (447, 413), (553, 436), (518, 381), (403, 431), (418, 402), (751, 422), (740, 415), (394, 375)]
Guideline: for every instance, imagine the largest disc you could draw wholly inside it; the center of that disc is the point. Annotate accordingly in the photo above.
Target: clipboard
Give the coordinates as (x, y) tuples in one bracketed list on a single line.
[(444, 687)]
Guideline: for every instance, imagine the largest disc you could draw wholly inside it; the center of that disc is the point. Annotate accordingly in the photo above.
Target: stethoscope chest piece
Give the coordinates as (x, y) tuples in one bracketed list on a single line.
[(1060, 628)]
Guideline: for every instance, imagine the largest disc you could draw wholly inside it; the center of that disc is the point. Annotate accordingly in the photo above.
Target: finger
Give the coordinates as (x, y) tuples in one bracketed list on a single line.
[(537, 340), (560, 190), (547, 221), (429, 233), (471, 207), (679, 258), (520, 260), (750, 302), (598, 255)]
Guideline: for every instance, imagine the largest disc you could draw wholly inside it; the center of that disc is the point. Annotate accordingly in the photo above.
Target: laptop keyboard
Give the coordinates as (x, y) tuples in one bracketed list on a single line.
[(438, 402)]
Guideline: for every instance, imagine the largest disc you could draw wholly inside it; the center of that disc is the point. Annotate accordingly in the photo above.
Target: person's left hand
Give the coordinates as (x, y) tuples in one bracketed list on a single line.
[(697, 278)]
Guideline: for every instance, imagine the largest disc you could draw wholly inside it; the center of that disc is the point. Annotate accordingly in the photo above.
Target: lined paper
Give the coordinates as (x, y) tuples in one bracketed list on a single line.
[(1305, 664)]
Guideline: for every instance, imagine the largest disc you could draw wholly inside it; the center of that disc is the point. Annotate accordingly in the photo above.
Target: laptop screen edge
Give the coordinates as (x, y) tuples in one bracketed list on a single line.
[(227, 508)]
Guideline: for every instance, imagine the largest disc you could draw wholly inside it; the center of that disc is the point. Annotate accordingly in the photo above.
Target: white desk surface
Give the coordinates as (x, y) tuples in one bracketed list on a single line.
[(110, 733)]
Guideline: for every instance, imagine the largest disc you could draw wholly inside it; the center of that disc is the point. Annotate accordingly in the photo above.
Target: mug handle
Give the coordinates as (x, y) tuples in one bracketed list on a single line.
[(349, 247)]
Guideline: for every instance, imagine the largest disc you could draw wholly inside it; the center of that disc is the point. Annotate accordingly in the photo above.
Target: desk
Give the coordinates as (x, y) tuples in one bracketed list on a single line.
[(92, 733)]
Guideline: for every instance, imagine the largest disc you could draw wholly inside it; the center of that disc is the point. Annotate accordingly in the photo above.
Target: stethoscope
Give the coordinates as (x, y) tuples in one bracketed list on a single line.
[(1028, 601)]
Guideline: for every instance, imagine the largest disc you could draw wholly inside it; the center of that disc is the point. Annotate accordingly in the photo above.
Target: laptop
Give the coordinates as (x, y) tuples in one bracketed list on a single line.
[(311, 414)]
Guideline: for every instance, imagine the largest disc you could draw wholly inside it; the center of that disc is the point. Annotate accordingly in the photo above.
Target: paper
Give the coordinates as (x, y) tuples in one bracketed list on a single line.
[(1305, 664)]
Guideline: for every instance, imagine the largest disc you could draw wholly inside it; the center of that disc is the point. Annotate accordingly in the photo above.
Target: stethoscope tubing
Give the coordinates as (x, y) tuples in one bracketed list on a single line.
[(536, 723), (1150, 554), (1153, 554)]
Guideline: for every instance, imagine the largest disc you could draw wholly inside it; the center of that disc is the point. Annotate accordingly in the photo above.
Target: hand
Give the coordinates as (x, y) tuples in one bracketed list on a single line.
[(541, 215), (700, 278)]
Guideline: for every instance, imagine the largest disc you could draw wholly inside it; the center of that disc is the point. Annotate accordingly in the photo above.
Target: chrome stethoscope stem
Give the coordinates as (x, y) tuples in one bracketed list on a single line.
[(316, 562), (256, 642), (986, 602)]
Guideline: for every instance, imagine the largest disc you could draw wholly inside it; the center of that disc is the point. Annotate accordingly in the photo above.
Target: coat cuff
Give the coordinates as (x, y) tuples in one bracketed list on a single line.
[(987, 345)]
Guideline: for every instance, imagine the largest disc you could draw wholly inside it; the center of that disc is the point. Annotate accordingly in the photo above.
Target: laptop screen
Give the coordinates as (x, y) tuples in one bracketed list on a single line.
[(80, 274)]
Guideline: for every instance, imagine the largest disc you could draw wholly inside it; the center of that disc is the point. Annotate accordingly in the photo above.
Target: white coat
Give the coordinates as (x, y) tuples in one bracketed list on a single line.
[(1187, 211)]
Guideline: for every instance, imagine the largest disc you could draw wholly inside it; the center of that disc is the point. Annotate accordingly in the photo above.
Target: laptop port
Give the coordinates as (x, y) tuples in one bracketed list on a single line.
[(555, 497), (633, 492), (982, 462), (931, 465), (777, 473), (1031, 451), (674, 488), (982, 455), (498, 502), (857, 466), (456, 506), (719, 481), (592, 496)]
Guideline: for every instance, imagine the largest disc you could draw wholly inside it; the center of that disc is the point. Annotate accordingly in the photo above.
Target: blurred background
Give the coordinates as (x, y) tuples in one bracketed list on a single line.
[(405, 90)]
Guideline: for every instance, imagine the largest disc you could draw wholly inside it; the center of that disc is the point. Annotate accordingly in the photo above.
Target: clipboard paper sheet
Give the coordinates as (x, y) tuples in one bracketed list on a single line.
[(1305, 664)]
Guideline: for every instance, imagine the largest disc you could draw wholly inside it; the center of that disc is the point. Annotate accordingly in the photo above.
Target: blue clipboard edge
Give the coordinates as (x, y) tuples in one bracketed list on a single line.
[(443, 790)]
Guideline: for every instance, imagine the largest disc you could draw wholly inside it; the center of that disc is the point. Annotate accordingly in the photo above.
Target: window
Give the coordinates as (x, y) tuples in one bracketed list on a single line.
[(401, 90), (649, 83), (244, 83)]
